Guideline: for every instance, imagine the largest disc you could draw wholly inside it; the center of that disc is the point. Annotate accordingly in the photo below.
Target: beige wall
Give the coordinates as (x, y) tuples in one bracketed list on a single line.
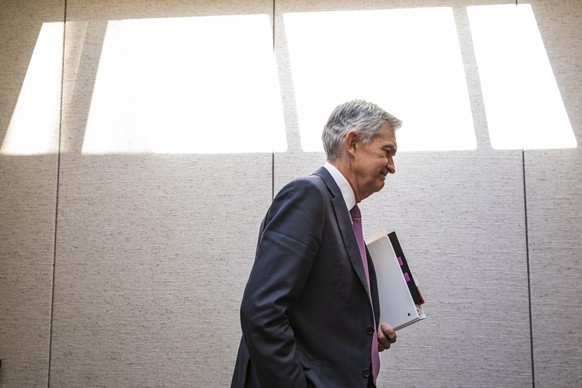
[(141, 143)]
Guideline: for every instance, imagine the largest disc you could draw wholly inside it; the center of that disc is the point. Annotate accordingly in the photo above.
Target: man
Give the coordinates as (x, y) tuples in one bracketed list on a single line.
[(309, 309)]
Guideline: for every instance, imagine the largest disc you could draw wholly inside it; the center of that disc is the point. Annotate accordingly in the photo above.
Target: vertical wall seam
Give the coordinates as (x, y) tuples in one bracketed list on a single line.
[(273, 151), (531, 338), (59, 137)]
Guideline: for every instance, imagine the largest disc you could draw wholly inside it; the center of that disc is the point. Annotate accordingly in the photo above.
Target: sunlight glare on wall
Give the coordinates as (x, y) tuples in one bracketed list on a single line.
[(406, 60), (186, 85), (34, 126), (523, 104)]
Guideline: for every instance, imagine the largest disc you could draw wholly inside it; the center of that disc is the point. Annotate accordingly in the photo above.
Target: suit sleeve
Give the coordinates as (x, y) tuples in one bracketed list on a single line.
[(288, 244)]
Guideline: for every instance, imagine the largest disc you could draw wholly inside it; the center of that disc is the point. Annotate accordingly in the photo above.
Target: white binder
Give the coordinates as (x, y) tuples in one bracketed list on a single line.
[(397, 306)]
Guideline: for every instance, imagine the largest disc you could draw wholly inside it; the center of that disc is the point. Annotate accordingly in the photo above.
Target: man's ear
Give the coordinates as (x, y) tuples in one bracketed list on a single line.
[(351, 141)]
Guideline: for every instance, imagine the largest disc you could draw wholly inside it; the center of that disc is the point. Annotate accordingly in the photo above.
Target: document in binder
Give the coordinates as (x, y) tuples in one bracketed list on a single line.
[(400, 300)]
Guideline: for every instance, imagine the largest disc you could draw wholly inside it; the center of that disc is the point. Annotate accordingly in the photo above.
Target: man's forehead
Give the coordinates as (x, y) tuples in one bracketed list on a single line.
[(387, 137)]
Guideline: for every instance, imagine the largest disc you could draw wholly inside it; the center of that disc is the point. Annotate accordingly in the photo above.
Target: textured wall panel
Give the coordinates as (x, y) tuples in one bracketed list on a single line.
[(555, 225), (28, 177), (460, 215), (555, 211), (153, 250), (152, 256)]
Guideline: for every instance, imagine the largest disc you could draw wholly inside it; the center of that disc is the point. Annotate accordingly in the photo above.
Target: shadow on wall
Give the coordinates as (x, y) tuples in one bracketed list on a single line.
[(214, 84)]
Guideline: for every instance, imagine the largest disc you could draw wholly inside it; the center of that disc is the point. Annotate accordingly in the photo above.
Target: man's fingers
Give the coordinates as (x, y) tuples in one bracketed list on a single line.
[(386, 337), (388, 332)]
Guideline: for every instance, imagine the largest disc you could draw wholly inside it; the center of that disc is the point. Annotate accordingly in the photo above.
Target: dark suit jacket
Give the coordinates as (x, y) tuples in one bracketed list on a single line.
[(305, 315)]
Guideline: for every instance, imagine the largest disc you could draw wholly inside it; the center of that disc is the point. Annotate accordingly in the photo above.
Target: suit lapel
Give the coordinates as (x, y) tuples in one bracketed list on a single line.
[(345, 225)]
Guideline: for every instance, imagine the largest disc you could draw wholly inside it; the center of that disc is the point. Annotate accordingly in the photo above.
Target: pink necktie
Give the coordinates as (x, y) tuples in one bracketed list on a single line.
[(357, 221)]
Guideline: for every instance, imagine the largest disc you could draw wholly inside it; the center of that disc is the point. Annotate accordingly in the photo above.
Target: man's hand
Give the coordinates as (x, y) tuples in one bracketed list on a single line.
[(386, 337)]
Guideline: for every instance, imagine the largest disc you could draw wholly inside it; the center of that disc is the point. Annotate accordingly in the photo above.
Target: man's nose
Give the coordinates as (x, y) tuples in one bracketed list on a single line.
[(391, 166)]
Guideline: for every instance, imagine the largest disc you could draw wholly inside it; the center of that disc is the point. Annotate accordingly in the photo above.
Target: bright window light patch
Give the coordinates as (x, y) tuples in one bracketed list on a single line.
[(523, 104), (186, 85), (34, 126), (406, 60)]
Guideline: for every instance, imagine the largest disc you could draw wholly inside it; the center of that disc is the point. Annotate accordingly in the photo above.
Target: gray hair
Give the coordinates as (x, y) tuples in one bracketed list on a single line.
[(361, 116)]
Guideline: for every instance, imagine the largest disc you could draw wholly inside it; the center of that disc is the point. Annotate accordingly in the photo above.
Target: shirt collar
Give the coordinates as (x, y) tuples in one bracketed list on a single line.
[(343, 184)]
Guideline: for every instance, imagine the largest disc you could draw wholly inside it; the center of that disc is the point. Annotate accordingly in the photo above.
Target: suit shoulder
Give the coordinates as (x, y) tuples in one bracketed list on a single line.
[(309, 193), (310, 183)]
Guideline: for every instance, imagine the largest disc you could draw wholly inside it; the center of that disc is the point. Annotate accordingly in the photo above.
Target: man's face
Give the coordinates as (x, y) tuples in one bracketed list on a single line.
[(372, 162)]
